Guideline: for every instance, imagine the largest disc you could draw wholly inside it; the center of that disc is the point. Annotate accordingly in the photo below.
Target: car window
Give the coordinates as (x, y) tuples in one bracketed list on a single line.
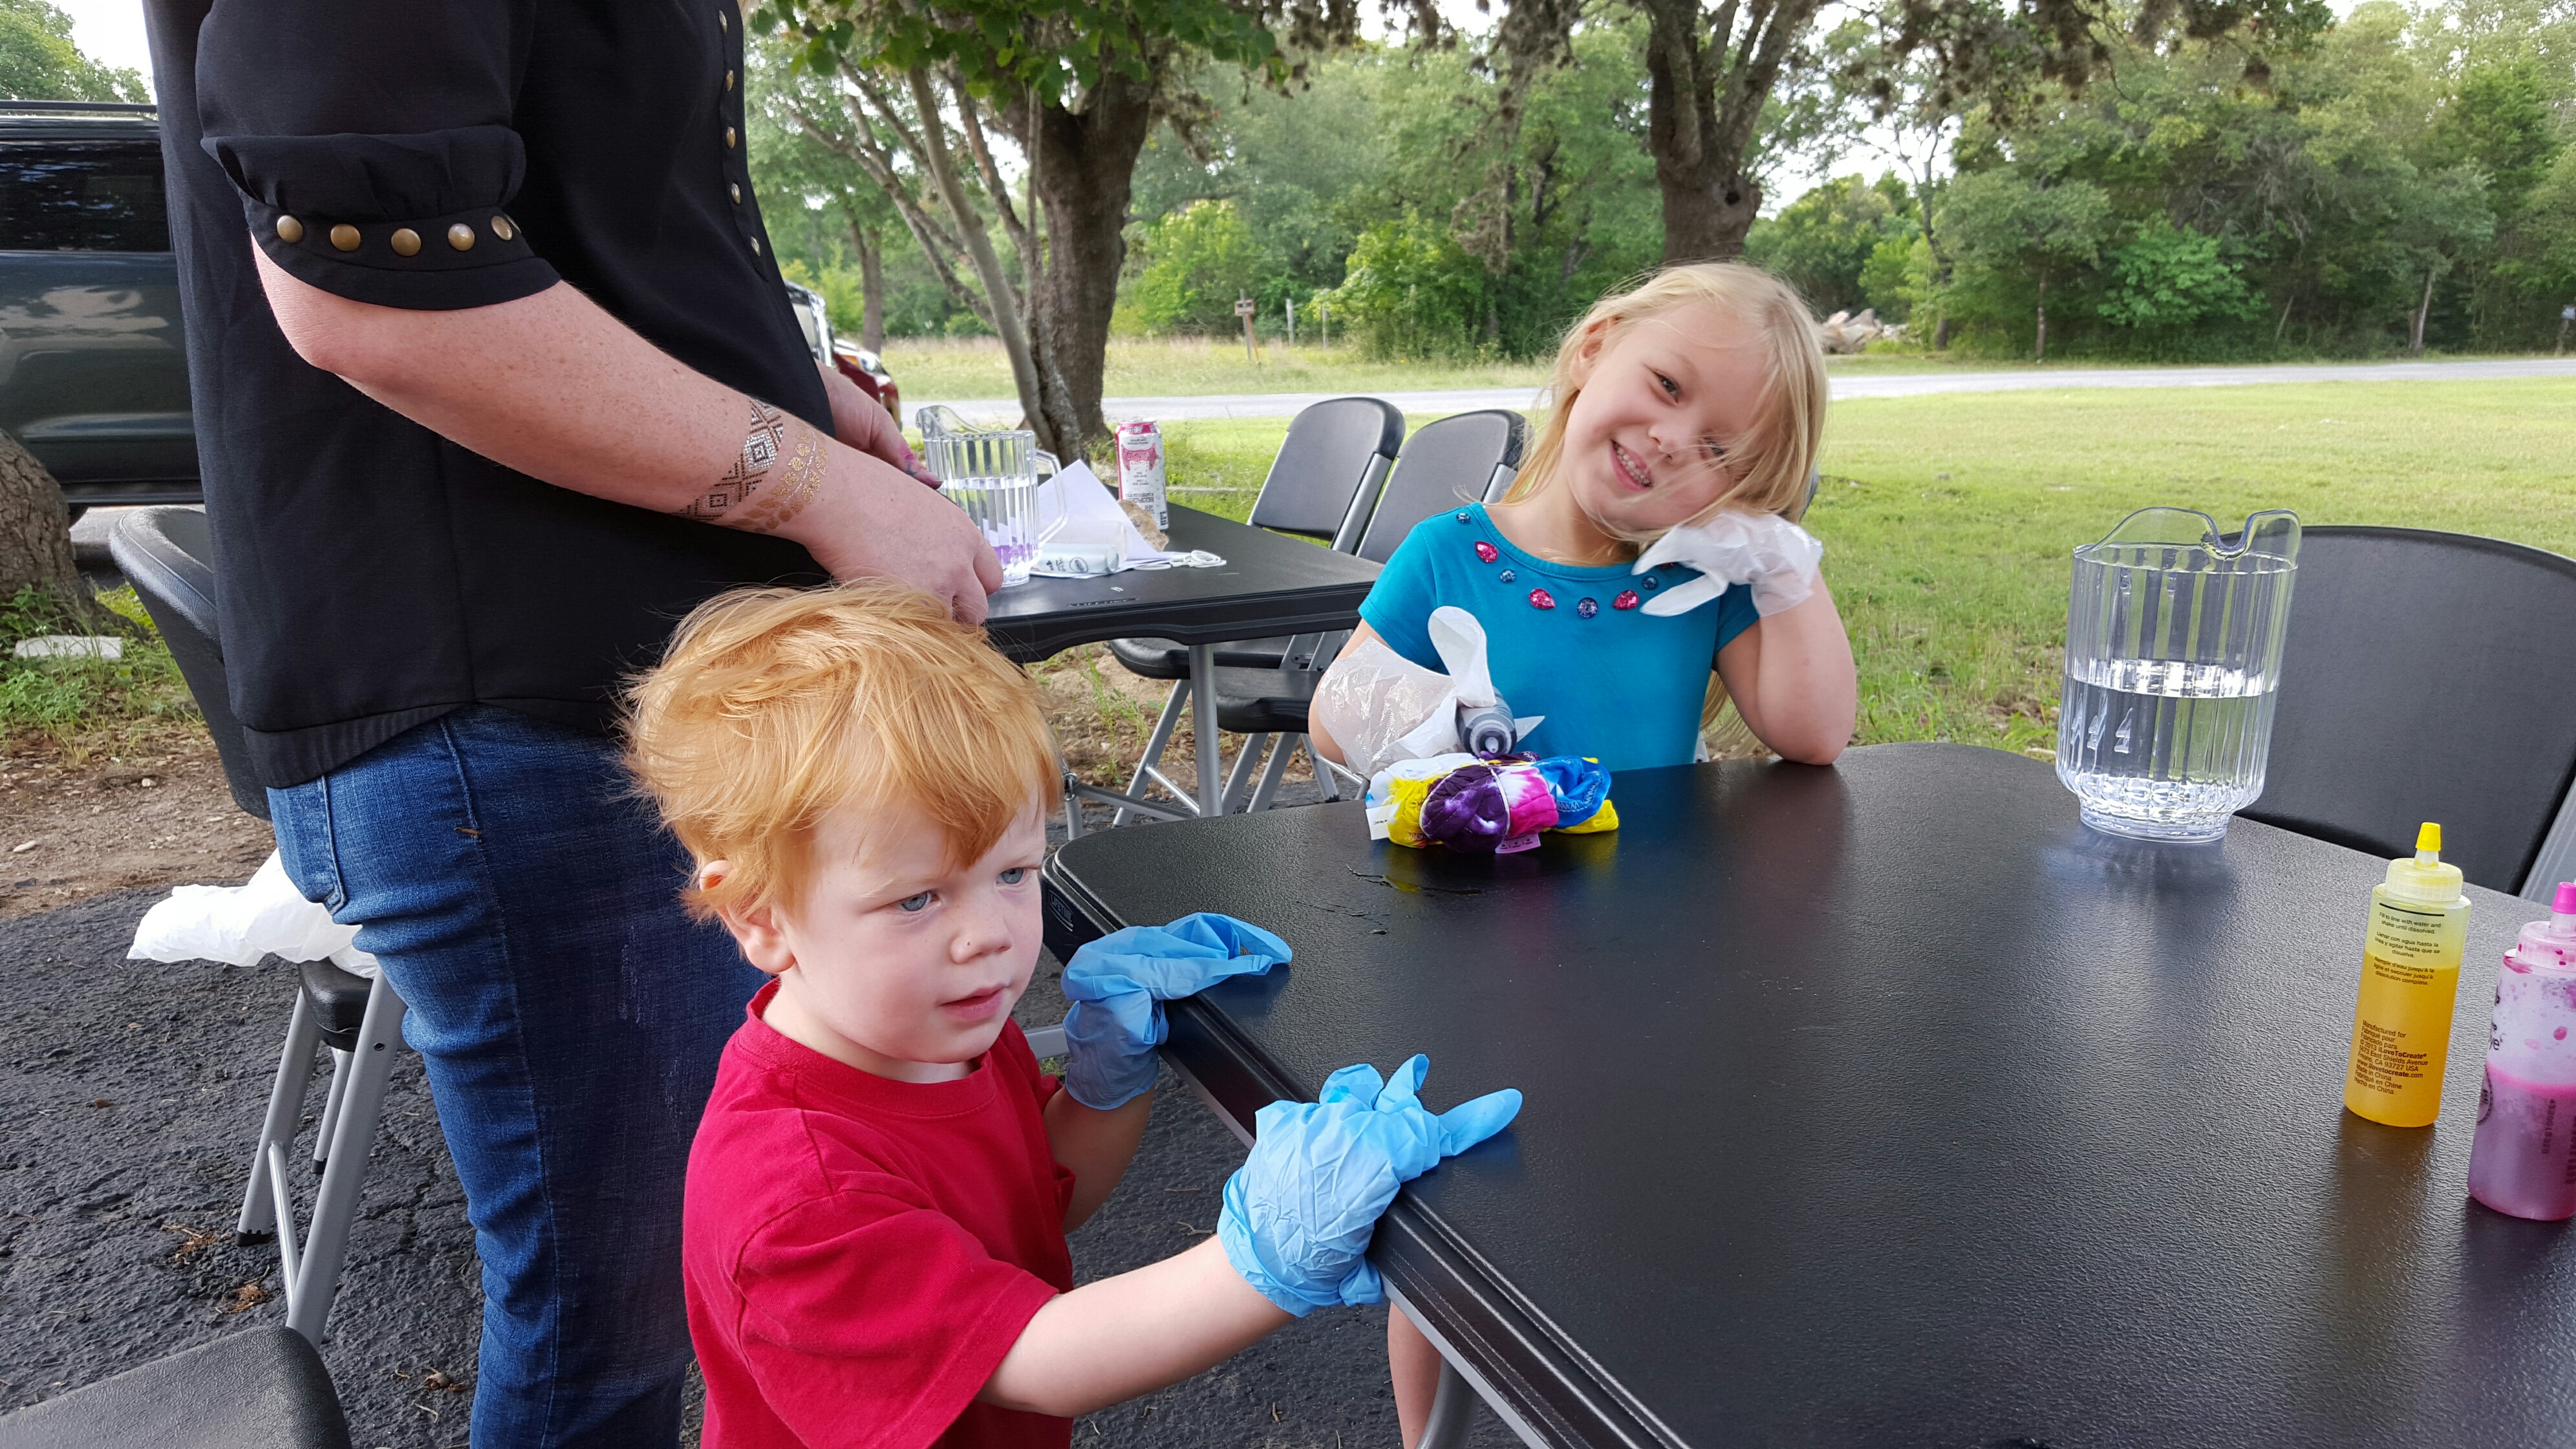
[(74, 198)]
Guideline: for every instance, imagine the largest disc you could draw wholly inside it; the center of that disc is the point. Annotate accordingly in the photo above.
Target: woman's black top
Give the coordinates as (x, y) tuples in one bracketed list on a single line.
[(441, 155)]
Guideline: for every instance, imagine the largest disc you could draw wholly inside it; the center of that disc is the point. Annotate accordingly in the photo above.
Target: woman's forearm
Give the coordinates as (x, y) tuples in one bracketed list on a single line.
[(554, 387)]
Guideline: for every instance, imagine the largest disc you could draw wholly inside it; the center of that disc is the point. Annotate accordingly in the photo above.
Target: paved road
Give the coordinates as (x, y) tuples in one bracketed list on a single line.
[(1910, 384)]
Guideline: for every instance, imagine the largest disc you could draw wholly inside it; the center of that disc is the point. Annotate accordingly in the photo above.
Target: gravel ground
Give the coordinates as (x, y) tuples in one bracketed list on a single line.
[(136, 1091)]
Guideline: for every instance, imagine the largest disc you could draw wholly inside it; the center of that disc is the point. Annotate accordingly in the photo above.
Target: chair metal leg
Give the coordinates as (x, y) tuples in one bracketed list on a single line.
[(331, 1108), (1239, 778), (1072, 809), (1206, 738), (1273, 772), (285, 1104), (1451, 1411), (1326, 781), (313, 1279), (1146, 764)]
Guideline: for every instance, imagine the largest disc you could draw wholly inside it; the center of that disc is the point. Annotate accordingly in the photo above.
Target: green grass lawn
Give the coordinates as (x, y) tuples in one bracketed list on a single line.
[(1947, 520), (930, 369)]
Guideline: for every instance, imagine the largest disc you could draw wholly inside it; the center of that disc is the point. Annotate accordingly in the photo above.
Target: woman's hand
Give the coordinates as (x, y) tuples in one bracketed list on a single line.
[(862, 422)]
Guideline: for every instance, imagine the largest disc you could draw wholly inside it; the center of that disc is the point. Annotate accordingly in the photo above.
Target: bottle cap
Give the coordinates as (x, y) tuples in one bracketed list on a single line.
[(2565, 903), (2422, 877)]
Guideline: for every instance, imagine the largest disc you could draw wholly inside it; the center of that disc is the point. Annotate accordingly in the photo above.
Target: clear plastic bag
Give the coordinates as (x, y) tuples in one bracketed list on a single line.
[(241, 924)]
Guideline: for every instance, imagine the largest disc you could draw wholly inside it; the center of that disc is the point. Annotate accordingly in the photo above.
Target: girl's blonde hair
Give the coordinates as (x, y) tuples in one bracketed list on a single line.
[(1780, 456), (1777, 459)]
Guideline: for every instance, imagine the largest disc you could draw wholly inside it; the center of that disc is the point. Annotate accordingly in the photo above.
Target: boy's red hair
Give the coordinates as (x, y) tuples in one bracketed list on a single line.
[(775, 706)]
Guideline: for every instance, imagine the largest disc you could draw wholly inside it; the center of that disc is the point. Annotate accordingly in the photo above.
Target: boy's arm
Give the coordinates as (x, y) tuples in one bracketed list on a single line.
[(1119, 1337), (1095, 1146), (1793, 680)]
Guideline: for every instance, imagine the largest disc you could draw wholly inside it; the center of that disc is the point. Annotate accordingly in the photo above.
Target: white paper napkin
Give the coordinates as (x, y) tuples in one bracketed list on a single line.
[(1097, 538)]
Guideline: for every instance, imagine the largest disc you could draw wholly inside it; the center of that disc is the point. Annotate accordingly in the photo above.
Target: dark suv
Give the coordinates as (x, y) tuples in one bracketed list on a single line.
[(93, 359), (93, 364)]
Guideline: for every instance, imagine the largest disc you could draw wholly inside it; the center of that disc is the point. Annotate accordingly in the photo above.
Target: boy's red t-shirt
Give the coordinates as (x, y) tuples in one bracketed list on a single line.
[(860, 1253)]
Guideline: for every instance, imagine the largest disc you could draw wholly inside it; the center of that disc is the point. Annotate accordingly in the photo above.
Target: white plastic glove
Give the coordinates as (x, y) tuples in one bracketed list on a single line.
[(1381, 707), (1764, 551)]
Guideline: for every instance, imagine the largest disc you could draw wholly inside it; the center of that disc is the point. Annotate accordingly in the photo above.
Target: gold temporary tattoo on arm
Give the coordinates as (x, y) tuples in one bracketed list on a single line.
[(798, 481), (761, 447)]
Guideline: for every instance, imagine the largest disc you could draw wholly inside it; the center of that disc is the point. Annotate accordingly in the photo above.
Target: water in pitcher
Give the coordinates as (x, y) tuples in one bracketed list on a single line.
[(2173, 637), (2162, 748)]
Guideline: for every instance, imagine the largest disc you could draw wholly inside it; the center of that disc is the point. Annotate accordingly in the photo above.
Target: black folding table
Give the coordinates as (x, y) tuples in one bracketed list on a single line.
[(1886, 1105), (1270, 584)]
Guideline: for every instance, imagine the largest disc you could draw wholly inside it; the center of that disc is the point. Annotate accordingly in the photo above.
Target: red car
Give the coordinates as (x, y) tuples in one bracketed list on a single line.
[(855, 362)]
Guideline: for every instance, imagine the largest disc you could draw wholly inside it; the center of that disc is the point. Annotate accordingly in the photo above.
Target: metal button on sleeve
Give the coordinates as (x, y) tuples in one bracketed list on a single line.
[(735, 188), (720, 20), (406, 242), (345, 237), (461, 237), (728, 80), (755, 246), (730, 138), (502, 228), (289, 230)]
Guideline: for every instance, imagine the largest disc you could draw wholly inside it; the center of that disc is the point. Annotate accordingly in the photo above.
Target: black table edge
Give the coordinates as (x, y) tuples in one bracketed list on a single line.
[(1320, 609), (1554, 1386)]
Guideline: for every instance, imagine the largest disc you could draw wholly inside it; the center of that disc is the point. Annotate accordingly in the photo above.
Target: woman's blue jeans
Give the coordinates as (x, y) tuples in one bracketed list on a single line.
[(570, 1014)]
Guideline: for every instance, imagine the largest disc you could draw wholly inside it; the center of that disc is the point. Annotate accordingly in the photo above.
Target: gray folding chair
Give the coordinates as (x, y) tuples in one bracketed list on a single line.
[(263, 1386), (1322, 485), (2427, 676), (167, 554), (1466, 458)]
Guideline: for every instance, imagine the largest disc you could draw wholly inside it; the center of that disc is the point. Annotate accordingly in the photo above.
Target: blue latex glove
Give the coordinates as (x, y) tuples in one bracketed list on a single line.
[(1299, 1212), (1118, 985)]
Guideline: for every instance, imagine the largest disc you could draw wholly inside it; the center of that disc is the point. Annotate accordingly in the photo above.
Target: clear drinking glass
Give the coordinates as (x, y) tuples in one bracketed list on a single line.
[(993, 475), (2173, 657)]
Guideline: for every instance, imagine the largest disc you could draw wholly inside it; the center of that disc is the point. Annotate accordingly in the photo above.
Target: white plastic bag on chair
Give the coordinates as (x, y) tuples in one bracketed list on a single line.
[(240, 924)]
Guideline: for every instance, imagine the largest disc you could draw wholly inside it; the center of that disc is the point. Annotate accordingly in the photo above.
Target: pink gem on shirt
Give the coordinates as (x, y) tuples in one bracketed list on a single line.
[(1541, 599), (1627, 599), (1487, 551)]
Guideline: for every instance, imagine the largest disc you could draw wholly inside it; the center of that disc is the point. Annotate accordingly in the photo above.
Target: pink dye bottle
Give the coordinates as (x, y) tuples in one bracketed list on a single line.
[(2523, 1161)]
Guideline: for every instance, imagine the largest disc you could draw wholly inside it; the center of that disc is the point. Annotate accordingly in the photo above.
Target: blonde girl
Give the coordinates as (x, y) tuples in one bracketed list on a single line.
[(1682, 432)]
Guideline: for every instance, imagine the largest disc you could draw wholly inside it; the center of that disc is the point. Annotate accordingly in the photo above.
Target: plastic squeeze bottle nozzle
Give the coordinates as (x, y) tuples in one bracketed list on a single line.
[(2410, 977), (2524, 1159)]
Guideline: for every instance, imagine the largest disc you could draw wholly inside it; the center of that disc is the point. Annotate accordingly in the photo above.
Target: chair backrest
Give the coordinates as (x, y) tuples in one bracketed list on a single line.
[(168, 555), (1325, 479), (2427, 676), (1464, 458)]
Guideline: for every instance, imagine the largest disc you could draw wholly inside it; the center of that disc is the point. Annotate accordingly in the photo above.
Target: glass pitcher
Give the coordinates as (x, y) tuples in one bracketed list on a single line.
[(993, 475), (2173, 657)]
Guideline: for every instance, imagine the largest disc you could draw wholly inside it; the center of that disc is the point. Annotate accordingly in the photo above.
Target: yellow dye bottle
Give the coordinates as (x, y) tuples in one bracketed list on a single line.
[(2410, 976)]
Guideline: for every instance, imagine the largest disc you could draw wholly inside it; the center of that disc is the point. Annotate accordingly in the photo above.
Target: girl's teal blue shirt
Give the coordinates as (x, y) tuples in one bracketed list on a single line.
[(1574, 644)]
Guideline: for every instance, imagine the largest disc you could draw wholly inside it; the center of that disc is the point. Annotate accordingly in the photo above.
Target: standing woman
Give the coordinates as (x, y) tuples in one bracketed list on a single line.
[(495, 379)]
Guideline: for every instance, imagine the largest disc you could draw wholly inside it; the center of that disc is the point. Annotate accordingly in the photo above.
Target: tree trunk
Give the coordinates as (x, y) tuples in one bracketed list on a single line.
[(1085, 168), (36, 537), (988, 266), (871, 287), (1707, 86), (2416, 348), (2039, 348)]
